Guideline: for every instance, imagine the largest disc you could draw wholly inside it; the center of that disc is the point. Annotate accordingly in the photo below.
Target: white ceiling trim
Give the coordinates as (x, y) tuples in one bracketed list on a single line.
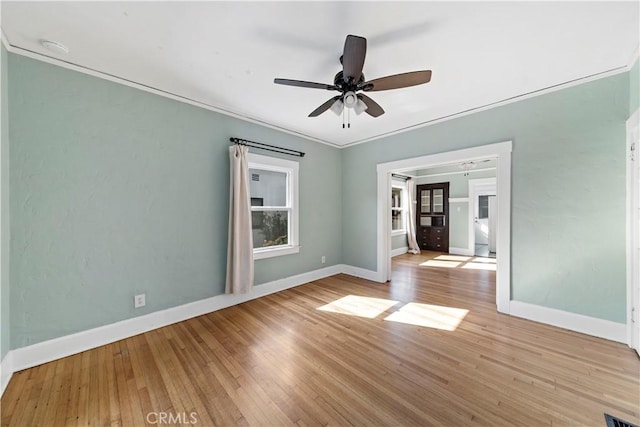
[(456, 172), (71, 66)]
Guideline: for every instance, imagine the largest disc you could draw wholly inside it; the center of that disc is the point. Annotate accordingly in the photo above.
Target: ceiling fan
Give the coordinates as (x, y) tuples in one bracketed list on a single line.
[(350, 82), (472, 164)]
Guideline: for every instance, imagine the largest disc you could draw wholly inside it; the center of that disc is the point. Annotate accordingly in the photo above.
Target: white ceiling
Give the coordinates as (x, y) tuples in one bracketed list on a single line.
[(226, 54)]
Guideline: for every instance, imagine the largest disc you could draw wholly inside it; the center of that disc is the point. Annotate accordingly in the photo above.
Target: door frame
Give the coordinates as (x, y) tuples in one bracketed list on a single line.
[(479, 187), (633, 232), (502, 152)]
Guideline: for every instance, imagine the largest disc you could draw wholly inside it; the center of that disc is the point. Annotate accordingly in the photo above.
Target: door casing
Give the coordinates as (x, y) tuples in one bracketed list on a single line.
[(633, 231), (478, 187), (501, 151)]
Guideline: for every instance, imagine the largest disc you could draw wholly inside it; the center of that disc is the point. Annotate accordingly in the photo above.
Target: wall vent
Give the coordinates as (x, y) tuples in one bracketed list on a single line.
[(255, 177), (617, 422)]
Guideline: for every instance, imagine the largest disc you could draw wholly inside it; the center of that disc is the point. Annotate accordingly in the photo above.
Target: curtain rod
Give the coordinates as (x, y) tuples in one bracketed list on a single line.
[(395, 175), (267, 147)]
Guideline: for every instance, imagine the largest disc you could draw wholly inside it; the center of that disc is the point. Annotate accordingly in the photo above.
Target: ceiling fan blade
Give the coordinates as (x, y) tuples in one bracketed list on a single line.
[(324, 107), (355, 50), (301, 83), (398, 81), (373, 108)]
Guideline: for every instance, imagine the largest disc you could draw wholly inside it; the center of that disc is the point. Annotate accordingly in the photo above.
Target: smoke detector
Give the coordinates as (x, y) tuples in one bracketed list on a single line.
[(54, 46)]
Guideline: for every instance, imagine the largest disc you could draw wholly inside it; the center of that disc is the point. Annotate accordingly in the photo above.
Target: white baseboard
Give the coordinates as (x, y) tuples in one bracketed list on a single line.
[(399, 251), (575, 322), (46, 351), (461, 251), (363, 273), (6, 371)]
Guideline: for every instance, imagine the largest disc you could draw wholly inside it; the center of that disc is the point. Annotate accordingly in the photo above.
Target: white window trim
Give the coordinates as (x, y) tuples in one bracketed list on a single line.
[(291, 168), (403, 203)]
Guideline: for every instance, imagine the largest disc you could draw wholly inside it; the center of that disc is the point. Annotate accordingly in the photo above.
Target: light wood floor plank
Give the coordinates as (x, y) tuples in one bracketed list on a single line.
[(280, 361)]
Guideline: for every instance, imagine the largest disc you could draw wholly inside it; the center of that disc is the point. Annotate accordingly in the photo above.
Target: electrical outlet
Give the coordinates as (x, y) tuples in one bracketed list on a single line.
[(324, 259), (139, 301)]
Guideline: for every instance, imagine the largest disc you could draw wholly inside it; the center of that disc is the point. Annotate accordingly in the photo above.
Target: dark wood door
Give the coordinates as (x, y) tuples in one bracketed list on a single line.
[(432, 216)]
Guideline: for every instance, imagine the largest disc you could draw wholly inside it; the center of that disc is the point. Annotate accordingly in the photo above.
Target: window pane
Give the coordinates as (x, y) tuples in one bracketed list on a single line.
[(396, 220), (396, 197), (270, 228), (425, 201), (483, 207), (269, 186), (438, 200)]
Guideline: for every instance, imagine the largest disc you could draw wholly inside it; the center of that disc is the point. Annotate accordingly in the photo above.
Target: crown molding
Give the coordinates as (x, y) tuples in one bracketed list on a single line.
[(532, 94), (95, 73), (136, 85)]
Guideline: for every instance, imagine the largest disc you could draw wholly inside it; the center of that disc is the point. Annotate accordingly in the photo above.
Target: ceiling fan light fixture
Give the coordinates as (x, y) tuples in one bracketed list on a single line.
[(360, 107), (467, 166), (337, 107), (350, 99)]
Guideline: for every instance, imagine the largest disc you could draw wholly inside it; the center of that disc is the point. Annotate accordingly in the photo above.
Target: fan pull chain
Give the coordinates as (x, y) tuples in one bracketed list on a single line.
[(343, 118), (349, 118)]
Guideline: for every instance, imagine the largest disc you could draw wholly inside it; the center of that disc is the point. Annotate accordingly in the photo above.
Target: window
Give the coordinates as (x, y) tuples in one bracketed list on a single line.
[(483, 207), (274, 206), (398, 208)]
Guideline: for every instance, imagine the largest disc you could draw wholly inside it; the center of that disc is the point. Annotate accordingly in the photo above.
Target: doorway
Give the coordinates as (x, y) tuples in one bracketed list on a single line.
[(483, 217), (502, 153)]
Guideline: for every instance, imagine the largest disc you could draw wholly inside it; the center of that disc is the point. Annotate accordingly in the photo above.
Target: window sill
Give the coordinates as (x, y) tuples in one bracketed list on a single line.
[(270, 253), (398, 233)]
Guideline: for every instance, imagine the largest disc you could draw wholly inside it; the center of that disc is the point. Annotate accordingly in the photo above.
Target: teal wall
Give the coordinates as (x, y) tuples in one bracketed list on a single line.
[(115, 191), (398, 242), (634, 87), (5, 330), (458, 212), (459, 225), (568, 192)]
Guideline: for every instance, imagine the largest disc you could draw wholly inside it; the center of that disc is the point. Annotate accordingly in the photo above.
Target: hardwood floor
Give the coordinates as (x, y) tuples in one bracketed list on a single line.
[(279, 360)]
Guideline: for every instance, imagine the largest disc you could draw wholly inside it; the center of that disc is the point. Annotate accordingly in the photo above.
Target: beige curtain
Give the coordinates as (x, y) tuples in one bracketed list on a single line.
[(240, 247), (411, 221)]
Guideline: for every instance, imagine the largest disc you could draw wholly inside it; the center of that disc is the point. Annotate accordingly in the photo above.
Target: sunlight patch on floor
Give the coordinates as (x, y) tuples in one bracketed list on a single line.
[(452, 258), (436, 263), (354, 305), (429, 316), (482, 259), (480, 266)]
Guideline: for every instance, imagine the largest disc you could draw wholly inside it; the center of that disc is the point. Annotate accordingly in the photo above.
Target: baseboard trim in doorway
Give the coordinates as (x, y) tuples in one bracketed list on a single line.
[(588, 325), (362, 273), (399, 251), (6, 371), (461, 251)]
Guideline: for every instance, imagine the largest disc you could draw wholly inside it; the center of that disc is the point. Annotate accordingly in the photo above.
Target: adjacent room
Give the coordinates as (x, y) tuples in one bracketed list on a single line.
[(320, 213)]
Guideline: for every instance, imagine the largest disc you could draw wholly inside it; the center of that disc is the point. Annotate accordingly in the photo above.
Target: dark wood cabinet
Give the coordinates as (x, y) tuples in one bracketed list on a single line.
[(432, 216)]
